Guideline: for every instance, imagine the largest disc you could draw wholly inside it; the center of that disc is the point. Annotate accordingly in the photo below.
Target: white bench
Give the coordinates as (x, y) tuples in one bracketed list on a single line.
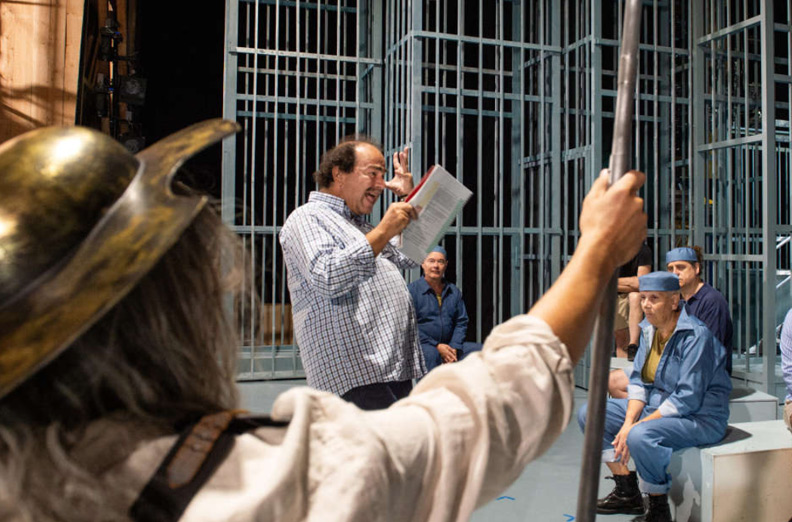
[(620, 363), (746, 477), (749, 405)]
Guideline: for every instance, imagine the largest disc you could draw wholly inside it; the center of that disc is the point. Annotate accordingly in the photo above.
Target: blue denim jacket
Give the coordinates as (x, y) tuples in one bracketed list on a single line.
[(691, 377), (446, 324)]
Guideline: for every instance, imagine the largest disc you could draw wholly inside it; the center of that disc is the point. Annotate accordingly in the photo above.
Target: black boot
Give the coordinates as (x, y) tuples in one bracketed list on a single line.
[(625, 498), (658, 510)]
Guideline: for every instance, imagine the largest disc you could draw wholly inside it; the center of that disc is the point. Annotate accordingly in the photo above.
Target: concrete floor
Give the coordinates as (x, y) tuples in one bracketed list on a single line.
[(546, 491)]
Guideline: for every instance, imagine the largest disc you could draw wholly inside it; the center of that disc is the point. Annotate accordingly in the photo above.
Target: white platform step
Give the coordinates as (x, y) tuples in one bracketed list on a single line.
[(749, 405), (746, 477)]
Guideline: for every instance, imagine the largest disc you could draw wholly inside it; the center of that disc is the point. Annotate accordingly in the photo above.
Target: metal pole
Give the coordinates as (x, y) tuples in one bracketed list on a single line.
[(603, 332)]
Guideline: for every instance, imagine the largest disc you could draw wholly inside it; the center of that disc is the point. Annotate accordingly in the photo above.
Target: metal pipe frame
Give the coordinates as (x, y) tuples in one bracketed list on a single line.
[(516, 98)]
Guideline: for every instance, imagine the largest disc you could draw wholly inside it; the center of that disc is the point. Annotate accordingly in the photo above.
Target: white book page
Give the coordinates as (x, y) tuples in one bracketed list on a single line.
[(438, 198)]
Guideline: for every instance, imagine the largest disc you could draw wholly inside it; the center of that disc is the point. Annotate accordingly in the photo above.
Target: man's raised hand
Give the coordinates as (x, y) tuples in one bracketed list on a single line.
[(402, 182)]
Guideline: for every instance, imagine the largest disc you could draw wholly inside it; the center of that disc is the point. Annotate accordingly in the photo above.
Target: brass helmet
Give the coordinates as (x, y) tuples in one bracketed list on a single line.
[(81, 222)]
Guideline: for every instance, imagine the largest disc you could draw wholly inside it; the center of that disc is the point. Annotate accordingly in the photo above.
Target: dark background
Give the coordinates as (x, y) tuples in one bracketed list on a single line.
[(180, 53)]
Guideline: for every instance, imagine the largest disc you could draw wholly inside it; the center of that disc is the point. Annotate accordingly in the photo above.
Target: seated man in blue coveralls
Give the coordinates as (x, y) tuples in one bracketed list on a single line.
[(678, 397), (441, 314)]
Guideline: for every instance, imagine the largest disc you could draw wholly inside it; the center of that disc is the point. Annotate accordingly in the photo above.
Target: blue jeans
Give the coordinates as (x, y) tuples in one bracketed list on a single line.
[(433, 359), (651, 443)]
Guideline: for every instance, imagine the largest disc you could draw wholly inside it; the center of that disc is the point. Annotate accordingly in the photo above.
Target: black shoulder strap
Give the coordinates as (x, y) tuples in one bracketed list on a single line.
[(192, 460)]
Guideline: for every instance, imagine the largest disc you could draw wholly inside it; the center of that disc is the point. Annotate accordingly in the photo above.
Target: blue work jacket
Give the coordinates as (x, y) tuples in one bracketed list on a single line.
[(691, 378), (436, 324)]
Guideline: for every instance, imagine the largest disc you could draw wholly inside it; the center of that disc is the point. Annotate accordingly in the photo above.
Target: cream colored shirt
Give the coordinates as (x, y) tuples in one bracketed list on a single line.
[(463, 435)]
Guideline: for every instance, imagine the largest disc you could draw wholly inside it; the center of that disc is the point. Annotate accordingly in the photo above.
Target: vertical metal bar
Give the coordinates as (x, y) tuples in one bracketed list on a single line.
[(301, 154), (727, 243), (376, 51), (245, 155), (460, 131), (769, 180), (339, 70), (658, 178), (416, 109), (443, 52), (518, 155), (603, 332), (343, 71), (566, 105), (498, 290), (319, 134), (528, 168), (673, 123), (555, 144), (396, 126), (541, 165), (698, 67), (788, 168), (408, 74), (579, 72), (401, 130), (360, 42), (275, 189), (438, 84), (517, 302), (252, 219), (479, 180), (746, 182), (276, 319), (230, 42), (390, 76), (596, 73)]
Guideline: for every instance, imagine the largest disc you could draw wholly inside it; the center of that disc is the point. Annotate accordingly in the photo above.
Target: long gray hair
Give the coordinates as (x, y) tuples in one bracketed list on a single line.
[(163, 356)]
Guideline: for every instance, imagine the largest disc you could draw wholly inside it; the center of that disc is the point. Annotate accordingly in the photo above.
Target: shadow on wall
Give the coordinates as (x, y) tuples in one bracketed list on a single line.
[(37, 59), (26, 108)]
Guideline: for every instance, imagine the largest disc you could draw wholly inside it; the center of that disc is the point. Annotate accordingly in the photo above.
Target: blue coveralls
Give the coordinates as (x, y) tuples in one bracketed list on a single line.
[(446, 324), (691, 391)]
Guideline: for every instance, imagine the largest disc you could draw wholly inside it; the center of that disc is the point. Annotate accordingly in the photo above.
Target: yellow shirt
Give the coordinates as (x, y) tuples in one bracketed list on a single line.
[(653, 358)]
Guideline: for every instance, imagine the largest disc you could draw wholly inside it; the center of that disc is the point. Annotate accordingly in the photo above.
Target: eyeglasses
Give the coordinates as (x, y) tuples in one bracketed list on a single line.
[(435, 261)]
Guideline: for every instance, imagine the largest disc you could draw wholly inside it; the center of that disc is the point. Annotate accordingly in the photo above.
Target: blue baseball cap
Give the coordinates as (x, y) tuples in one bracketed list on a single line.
[(682, 254), (440, 249), (658, 282)]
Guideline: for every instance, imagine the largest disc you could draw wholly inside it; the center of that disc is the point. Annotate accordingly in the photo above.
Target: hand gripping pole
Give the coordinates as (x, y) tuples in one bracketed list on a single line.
[(603, 331)]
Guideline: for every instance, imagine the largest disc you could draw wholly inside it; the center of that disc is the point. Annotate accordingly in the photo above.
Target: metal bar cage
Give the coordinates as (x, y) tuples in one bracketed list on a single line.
[(516, 98)]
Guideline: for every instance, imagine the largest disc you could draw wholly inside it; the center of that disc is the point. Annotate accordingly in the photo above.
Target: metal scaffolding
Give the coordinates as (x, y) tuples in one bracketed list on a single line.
[(298, 76), (484, 72), (516, 99), (740, 151)]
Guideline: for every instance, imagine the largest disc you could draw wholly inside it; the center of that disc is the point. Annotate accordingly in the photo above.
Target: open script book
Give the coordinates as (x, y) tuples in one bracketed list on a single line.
[(438, 198)]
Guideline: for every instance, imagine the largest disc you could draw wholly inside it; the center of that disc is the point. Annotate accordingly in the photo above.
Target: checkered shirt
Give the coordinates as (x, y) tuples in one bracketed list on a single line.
[(354, 319)]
